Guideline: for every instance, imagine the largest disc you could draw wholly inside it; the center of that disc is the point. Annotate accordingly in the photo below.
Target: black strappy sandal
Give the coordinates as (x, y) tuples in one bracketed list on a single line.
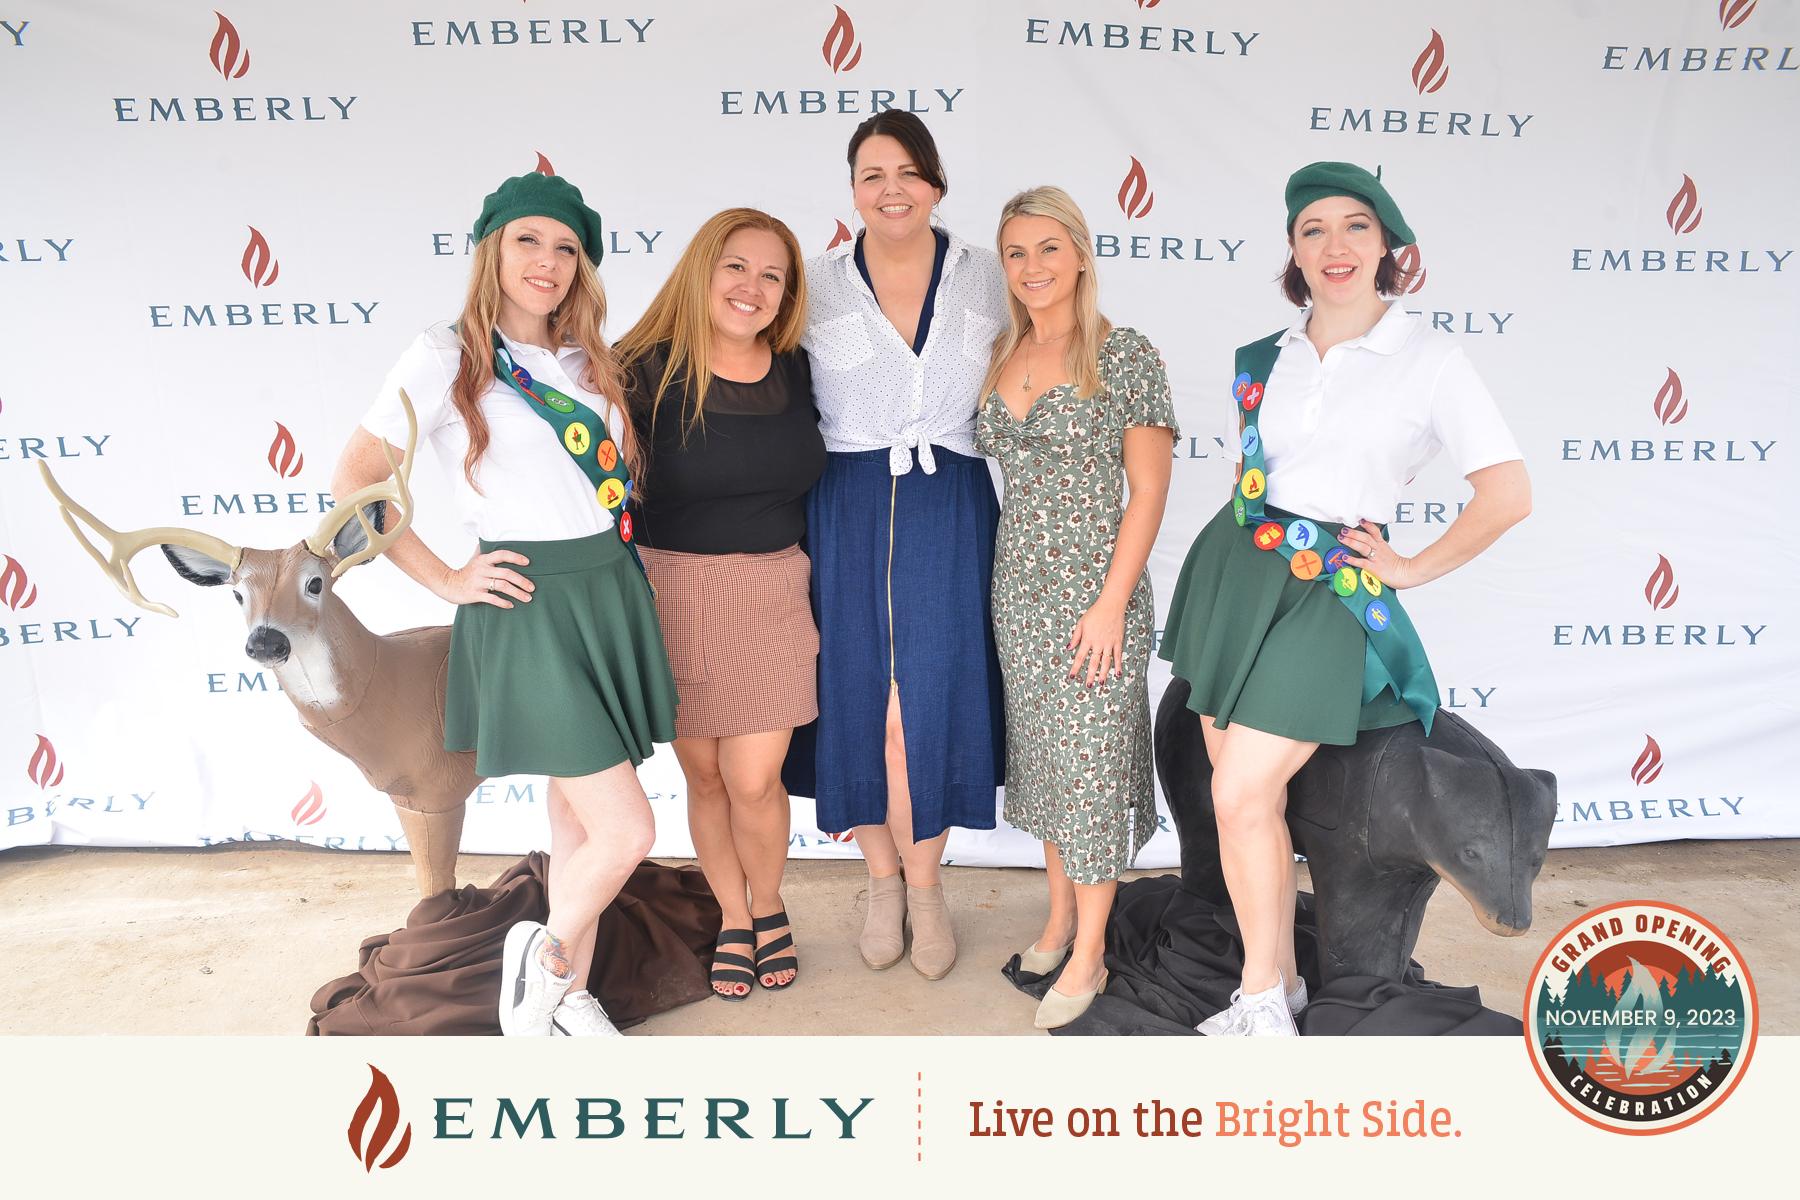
[(770, 959), (736, 968)]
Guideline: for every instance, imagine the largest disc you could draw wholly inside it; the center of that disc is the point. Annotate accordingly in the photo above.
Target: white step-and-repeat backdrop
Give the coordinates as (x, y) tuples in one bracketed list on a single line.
[(219, 228)]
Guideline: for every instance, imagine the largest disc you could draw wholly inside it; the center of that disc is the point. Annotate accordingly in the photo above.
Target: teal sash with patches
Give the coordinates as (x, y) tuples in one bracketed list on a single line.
[(1394, 657), (583, 434)]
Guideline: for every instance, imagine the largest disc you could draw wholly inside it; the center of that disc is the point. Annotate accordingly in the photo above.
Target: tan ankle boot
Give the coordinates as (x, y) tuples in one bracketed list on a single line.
[(934, 941), (884, 928)]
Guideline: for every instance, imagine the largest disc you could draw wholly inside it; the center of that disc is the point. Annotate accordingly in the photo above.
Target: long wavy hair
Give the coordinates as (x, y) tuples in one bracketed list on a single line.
[(1081, 357), (577, 321), (680, 316)]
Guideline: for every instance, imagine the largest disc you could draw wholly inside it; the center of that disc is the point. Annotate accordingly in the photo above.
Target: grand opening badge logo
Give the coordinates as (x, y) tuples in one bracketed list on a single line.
[(1643, 1017)]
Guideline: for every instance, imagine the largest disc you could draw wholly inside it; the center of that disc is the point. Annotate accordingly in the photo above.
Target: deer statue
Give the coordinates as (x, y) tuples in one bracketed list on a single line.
[(377, 700)]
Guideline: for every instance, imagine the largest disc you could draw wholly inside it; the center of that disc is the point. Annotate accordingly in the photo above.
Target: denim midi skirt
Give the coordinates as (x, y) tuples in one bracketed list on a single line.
[(902, 567)]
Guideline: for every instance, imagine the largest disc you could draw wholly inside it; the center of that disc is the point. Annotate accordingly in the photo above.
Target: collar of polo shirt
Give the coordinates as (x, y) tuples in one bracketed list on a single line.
[(1386, 336)]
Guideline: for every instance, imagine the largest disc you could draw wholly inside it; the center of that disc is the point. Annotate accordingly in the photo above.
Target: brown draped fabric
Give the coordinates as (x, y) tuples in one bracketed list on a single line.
[(440, 973)]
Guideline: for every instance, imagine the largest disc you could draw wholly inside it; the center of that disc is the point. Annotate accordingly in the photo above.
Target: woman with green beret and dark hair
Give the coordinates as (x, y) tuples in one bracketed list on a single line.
[(557, 664), (1287, 620)]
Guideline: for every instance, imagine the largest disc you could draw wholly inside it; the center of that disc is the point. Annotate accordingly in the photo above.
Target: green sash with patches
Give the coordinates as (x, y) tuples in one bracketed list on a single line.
[(583, 434), (1394, 657)]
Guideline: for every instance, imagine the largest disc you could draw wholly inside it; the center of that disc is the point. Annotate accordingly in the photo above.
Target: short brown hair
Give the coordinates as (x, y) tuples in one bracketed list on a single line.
[(1390, 280), (913, 137)]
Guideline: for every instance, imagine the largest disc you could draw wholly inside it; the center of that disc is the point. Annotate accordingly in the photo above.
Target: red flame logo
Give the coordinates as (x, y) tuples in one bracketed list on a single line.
[(284, 454), (1733, 13), (1684, 209), (260, 265), (544, 167), (310, 808), (228, 55), (1408, 261), (1431, 70), (379, 1096), (1148, 3), (1649, 764), (13, 585), (1660, 589), (840, 237), (1670, 406), (1135, 197), (845, 836), (45, 770), (841, 49)]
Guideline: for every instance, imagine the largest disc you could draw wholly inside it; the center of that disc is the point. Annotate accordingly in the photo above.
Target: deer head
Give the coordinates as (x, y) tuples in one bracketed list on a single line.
[(283, 592)]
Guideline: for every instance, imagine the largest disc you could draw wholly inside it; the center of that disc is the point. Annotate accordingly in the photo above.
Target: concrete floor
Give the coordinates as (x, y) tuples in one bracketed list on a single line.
[(235, 939)]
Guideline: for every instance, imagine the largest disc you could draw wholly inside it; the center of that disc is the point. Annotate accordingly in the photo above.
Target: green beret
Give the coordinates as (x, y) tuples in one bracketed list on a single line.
[(1315, 181), (536, 195)]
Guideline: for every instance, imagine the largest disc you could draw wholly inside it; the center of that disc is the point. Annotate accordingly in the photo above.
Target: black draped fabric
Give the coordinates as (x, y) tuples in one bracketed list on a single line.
[(1174, 959)]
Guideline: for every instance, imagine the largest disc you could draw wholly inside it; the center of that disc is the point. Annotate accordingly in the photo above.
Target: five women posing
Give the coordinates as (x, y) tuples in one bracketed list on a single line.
[(831, 597)]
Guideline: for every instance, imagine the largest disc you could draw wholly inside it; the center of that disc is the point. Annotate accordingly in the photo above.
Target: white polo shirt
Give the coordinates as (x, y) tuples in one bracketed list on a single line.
[(531, 489), (1341, 437), (873, 392)]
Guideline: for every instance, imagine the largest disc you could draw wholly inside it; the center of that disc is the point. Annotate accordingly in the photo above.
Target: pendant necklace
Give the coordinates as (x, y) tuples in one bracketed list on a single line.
[(1025, 384)]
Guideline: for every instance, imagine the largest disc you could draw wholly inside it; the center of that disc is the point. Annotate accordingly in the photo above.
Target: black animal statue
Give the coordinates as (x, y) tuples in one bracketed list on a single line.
[(1379, 822)]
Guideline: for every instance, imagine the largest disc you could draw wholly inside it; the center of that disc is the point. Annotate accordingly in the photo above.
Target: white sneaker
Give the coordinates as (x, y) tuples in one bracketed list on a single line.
[(1297, 999), (1265, 1014), (529, 994), (1221, 1022), (580, 1015), (1224, 1019)]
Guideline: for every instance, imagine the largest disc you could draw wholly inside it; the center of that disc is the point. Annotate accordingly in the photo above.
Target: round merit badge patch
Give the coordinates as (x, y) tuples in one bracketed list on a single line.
[(1642, 1017)]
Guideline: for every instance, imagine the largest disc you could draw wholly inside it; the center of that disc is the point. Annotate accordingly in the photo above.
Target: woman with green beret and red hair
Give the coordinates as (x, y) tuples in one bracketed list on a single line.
[(1286, 620), (557, 664)]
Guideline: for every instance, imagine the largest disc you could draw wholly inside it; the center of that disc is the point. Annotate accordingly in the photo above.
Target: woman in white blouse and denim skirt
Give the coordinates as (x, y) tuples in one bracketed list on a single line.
[(909, 740)]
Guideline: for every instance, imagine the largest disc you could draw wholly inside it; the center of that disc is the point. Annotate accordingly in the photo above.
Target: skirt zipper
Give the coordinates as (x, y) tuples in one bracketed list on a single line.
[(893, 497)]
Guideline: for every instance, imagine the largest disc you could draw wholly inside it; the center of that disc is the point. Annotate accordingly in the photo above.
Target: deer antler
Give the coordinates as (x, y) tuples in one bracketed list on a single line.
[(392, 489), (123, 547)]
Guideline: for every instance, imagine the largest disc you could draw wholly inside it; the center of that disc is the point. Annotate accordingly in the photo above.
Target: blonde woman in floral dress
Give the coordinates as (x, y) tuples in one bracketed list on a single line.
[(1074, 409)]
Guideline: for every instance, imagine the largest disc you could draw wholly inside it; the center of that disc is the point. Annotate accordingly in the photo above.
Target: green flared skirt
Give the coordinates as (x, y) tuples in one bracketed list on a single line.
[(1263, 648), (573, 682)]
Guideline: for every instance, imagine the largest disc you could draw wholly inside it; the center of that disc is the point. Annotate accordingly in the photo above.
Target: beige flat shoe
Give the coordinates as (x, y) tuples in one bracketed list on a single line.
[(1057, 1009), (934, 941), (1042, 962), (884, 928)]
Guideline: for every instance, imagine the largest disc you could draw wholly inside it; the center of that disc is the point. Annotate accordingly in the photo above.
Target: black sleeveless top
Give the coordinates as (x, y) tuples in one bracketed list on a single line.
[(738, 485)]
